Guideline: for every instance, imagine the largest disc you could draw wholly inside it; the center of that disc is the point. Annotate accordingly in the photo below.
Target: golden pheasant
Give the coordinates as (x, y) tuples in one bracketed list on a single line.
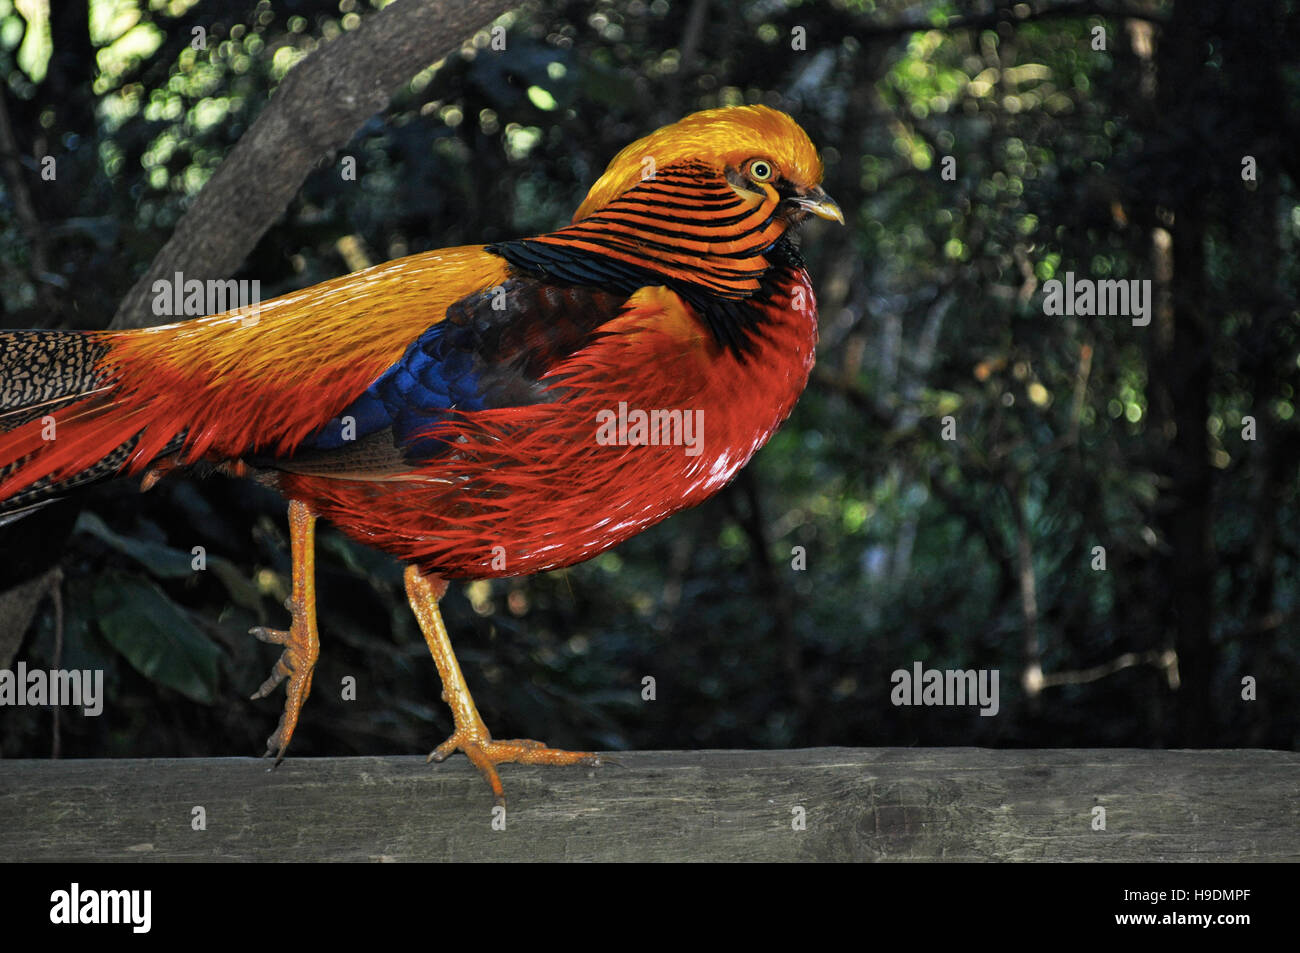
[(475, 411)]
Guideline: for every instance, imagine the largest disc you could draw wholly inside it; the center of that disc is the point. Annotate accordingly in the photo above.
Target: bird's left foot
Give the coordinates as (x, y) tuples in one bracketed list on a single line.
[(471, 735), (485, 753)]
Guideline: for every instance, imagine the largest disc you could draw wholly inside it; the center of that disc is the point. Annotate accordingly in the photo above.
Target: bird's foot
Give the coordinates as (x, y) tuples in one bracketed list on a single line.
[(471, 735), (297, 662), (485, 753)]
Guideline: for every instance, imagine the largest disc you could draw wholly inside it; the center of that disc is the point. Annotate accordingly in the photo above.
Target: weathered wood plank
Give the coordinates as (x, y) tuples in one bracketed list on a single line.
[(860, 804)]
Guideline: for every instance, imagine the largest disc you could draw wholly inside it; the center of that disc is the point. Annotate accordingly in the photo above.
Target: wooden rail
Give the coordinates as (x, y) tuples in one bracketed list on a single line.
[(855, 804)]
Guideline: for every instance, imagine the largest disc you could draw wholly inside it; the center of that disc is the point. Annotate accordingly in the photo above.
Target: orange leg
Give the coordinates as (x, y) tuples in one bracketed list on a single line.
[(471, 735), (301, 643)]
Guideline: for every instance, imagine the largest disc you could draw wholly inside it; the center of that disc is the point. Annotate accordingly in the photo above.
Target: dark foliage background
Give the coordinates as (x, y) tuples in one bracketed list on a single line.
[(1071, 432)]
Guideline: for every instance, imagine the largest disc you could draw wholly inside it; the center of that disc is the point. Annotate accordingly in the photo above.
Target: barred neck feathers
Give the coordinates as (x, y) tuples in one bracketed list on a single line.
[(687, 228), (686, 223)]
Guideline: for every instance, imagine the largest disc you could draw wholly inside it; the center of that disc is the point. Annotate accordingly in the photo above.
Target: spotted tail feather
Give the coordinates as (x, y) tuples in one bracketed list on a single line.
[(51, 389)]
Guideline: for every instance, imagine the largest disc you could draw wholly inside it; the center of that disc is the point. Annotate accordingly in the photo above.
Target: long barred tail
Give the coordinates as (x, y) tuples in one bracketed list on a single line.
[(52, 386)]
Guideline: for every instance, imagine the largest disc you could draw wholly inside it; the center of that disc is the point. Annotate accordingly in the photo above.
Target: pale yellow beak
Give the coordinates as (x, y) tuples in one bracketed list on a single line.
[(820, 204)]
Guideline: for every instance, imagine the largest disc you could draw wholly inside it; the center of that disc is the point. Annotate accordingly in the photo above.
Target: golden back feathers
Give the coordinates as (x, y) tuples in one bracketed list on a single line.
[(724, 138)]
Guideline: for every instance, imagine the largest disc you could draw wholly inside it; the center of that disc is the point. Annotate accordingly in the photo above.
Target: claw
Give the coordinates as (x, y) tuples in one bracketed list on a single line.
[(281, 669)]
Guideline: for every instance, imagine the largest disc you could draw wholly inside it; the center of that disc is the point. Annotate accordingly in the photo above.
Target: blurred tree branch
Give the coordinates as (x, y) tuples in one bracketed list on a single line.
[(319, 105)]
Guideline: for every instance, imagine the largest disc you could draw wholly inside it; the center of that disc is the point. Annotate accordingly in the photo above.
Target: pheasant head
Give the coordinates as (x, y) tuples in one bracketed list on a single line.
[(762, 153)]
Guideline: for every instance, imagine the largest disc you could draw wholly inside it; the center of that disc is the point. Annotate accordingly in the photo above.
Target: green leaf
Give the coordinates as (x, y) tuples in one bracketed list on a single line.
[(165, 562), (161, 561), (156, 636)]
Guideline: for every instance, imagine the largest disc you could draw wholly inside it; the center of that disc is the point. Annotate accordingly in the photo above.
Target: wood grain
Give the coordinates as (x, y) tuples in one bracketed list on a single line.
[(958, 804)]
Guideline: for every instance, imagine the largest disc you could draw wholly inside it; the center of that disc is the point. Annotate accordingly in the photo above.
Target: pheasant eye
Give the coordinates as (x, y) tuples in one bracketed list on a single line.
[(760, 170)]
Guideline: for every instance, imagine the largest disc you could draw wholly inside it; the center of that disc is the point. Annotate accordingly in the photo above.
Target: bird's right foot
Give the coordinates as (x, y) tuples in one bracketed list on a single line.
[(301, 642), (296, 663)]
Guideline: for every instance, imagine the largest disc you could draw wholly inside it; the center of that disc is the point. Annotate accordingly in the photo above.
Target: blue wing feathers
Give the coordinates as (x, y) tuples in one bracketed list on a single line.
[(491, 350)]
